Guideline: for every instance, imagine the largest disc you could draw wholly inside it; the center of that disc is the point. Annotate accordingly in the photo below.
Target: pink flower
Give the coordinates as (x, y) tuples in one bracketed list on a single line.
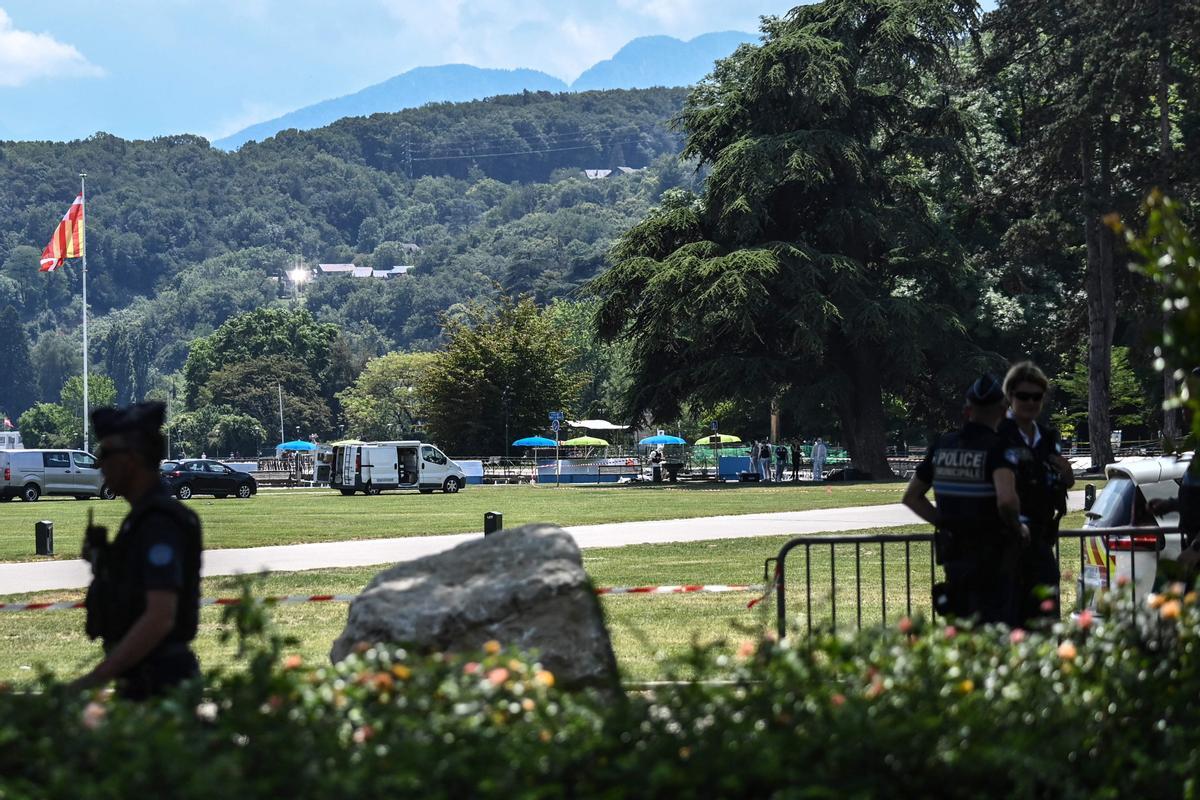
[(498, 676), (905, 625), (93, 715), (951, 631), (362, 734), (471, 667), (1016, 635), (745, 649), (1085, 619), (838, 699), (1047, 605), (1066, 651)]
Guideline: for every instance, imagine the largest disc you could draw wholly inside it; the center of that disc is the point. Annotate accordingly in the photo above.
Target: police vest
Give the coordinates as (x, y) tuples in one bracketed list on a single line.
[(960, 468), (113, 599), (1039, 486)]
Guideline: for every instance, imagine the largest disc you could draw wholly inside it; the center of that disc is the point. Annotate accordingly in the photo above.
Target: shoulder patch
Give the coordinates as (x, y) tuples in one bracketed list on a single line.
[(1012, 455), (160, 555)]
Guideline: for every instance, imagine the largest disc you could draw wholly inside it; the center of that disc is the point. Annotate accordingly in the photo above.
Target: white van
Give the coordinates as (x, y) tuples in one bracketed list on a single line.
[(374, 467), (11, 440)]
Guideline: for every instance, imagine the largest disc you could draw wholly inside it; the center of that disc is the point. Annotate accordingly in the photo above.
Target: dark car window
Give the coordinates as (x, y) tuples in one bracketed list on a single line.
[(56, 460), (169, 466), (1114, 507), (192, 466), (218, 469)]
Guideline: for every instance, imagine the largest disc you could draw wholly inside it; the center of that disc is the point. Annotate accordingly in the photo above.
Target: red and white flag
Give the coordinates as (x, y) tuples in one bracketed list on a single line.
[(67, 241)]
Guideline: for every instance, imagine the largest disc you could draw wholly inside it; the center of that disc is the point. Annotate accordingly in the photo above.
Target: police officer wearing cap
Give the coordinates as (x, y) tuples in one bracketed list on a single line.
[(1043, 478), (979, 532), (144, 600)]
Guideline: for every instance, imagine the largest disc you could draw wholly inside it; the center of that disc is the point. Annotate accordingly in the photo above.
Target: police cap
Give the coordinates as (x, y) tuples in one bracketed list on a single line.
[(985, 391), (137, 418)]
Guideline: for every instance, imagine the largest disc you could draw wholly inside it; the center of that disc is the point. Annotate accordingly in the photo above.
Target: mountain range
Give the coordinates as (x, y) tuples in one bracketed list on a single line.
[(642, 63)]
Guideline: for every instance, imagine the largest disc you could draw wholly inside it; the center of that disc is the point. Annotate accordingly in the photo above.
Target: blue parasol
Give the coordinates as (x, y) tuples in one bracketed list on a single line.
[(534, 441), (663, 439)]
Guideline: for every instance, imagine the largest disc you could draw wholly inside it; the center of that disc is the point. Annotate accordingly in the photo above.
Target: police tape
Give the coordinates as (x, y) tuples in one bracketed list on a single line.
[(296, 599)]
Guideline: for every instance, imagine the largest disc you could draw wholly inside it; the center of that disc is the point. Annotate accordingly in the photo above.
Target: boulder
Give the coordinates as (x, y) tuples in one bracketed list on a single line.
[(523, 587)]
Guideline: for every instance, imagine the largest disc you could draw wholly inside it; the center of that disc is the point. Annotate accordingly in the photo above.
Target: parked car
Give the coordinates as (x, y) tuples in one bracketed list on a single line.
[(1133, 557), (188, 477), (376, 467), (30, 474)]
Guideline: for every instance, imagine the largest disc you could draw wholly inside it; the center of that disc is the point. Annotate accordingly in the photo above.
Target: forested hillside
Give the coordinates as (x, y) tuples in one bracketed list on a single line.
[(183, 236)]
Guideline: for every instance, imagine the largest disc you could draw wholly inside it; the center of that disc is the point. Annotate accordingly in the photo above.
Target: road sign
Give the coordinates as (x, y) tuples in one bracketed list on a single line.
[(714, 427), (556, 416), (554, 426)]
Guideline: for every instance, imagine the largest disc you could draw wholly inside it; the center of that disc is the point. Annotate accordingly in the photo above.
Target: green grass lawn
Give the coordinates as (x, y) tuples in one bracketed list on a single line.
[(294, 516), (646, 630)]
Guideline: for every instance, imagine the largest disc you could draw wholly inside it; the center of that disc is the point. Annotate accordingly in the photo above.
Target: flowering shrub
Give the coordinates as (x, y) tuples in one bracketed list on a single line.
[(1085, 708)]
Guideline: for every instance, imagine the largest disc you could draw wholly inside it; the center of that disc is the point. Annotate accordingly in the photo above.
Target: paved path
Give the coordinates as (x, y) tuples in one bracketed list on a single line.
[(36, 577)]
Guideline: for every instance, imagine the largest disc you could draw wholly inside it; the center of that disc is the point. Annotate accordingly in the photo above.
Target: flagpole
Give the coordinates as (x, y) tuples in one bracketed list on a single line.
[(83, 244)]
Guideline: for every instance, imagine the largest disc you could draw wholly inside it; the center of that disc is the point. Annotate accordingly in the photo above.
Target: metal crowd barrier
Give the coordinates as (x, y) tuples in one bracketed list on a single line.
[(821, 553)]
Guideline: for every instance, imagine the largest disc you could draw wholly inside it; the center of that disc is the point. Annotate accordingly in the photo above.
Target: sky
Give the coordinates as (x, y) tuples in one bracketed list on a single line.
[(142, 68)]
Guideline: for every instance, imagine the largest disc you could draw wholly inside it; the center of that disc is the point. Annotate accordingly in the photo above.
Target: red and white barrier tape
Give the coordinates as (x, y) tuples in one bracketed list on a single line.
[(296, 599)]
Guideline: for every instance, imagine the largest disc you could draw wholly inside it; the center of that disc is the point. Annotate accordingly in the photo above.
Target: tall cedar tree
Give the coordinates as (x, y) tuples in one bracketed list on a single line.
[(815, 256), (18, 383)]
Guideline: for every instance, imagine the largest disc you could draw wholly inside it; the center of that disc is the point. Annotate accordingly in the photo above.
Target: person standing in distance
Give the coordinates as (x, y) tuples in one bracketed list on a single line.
[(144, 600), (977, 516), (819, 454), (1043, 478)]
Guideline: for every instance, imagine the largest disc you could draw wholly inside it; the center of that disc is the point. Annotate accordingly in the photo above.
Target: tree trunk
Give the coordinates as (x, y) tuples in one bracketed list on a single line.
[(1098, 283), (1172, 425), (860, 409)]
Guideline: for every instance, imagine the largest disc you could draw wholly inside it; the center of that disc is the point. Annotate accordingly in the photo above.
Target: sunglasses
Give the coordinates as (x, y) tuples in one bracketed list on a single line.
[(1029, 397)]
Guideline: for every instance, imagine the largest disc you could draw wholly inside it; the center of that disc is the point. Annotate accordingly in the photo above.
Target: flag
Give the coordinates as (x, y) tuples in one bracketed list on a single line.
[(67, 241), (8, 424)]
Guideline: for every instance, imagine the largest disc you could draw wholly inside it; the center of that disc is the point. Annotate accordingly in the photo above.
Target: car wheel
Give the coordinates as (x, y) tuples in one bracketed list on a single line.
[(451, 485), (243, 491), (184, 492), (107, 493), (30, 493), (347, 492)]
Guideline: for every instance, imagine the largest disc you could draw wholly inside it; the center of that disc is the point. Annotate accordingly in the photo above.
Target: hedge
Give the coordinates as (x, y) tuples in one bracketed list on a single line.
[(1080, 709)]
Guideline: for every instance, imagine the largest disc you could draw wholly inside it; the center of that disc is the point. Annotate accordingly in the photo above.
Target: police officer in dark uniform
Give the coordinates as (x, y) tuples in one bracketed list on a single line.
[(979, 532), (1043, 478), (144, 600)]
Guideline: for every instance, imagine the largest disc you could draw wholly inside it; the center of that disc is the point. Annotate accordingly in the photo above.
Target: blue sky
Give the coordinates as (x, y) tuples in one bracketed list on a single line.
[(141, 68)]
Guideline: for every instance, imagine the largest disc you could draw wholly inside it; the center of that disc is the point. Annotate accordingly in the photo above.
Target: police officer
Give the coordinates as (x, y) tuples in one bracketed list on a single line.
[(144, 600), (1043, 478), (977, 516)]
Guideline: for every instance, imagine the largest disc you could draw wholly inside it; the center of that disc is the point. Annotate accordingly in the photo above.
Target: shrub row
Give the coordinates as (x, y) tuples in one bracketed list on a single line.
[(1082, 709)]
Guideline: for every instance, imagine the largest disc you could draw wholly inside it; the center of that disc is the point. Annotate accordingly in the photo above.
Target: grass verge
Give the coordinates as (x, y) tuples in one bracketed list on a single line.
[(297, 516), (646, 630)]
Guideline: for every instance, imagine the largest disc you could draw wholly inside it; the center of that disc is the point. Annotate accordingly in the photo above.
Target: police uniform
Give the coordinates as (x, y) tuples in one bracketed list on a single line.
[(974, 545), (156, 549), (1043, 503)]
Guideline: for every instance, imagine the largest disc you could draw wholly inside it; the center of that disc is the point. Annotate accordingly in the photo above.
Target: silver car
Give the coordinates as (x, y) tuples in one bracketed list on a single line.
[(30, 474)]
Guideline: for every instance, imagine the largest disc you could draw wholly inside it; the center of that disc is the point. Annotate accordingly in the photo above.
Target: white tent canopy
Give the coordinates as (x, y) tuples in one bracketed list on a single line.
[(596, 425)]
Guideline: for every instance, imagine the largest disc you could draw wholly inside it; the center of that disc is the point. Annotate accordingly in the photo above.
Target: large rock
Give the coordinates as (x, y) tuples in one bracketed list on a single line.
[(523, 587)]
